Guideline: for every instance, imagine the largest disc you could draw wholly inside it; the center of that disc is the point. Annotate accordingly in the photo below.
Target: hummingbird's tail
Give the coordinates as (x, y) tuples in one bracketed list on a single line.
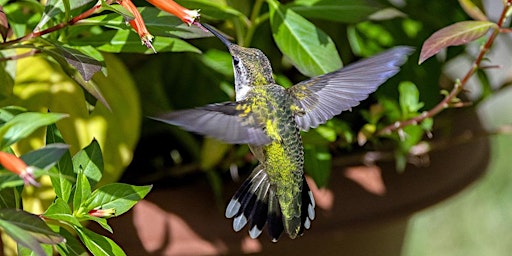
[(256, 203)]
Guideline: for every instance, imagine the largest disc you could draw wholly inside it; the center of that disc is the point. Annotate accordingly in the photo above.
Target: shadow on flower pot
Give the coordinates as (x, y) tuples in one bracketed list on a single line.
[(186, 220)]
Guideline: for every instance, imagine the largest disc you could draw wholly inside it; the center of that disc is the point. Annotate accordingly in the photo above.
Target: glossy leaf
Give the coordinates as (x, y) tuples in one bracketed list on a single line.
[(101, 221), (311, 51), (62, 176), (59, 210), (473, 10), (45, 157), (89, 161), (117, 41), (83, 63), (54, 8), (61, 58), (24, 124), (98, 244), (347, 11), (82, 193), (118, 196), (457, 34), (92, 88), (9, 112), (32, 224)]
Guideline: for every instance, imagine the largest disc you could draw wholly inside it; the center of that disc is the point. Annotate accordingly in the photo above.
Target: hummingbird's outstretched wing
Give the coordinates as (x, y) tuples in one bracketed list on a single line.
[(223, 121), (328, 95)]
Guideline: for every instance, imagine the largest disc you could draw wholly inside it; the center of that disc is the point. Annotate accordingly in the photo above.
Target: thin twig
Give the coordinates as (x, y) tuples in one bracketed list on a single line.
[(35, 34), (459, 85)]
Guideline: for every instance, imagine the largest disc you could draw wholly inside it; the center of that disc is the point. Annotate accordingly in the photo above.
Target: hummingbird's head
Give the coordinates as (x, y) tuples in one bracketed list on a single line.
[(251, 66)]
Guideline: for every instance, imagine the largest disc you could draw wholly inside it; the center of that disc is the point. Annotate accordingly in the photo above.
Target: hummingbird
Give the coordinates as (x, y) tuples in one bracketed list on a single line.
[(269, 118)]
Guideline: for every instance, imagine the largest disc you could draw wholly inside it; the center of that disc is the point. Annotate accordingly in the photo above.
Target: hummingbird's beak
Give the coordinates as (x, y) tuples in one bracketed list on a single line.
[(223, 39)]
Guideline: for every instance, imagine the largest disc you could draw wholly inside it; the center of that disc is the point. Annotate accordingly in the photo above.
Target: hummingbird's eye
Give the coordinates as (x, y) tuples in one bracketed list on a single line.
[(236, 60)]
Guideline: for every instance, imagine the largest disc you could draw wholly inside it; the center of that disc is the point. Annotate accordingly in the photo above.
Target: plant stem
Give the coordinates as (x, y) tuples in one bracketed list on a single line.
[(459, 85), (255, 21), (56, 27)]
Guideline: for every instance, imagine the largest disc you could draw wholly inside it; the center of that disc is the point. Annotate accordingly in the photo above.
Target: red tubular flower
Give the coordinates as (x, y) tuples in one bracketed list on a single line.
[(138, 23), (15, 165), (186, 15), (102, 213)]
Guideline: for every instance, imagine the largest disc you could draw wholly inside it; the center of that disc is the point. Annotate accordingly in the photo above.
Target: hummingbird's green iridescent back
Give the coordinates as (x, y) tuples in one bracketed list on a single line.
[(283, 158), (269, 118)]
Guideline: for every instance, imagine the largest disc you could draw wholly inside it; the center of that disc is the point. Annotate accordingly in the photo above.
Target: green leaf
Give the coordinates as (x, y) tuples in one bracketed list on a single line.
[(7, 73), (409, 137), (59, 210), (45, 157), (409, 99), (24, 124), (9, 180), (72, 246), (89, 161), (456, 34), (63, 177), (347, 11), (311, 51), (54, 8), (52, 49), (220, 61), (118, 196), (98, 244), (22, 237), (10, 198), (23, 16), (25, 251), (317, 163), (101, 221), (32, 224), (9, 112), (473, 10), (127, 41), (119, 10), (327, 133), (368, 38), (82, 193), (86, 65)]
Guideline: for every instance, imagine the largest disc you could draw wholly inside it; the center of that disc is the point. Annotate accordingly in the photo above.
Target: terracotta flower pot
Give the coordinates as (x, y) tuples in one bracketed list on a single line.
[(350, 220)]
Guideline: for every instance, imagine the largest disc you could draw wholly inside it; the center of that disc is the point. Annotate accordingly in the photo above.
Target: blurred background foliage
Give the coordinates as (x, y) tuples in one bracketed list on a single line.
[(358, 29), (191, 70)]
